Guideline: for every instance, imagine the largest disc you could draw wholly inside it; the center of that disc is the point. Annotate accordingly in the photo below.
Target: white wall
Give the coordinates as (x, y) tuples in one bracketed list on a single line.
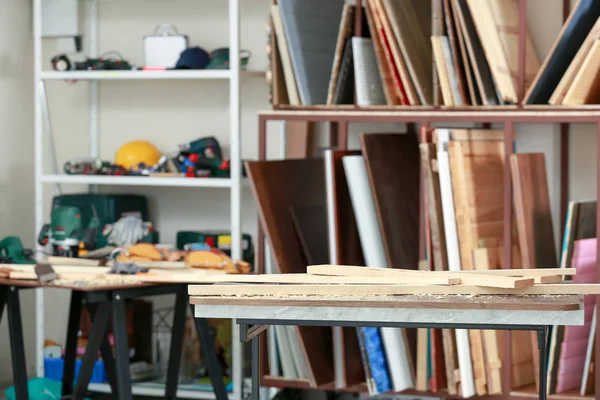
[(167, 113)]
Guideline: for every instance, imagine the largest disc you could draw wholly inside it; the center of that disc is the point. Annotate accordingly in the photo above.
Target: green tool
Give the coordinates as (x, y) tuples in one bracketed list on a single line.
[(12, 251)]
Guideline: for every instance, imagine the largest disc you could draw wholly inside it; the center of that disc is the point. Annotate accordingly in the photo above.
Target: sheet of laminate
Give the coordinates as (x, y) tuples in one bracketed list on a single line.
[(286, 61), (346, 31), (586, 84), (497, 23), (310, 223), (571, 37), (277, 186), (279, 94), (532, 205), (393, 165), (369, 86), (479, 64), (453, 39), (344, 248), (363, 203), (411, 23), (344, 90), (311, 28), (575, 66)]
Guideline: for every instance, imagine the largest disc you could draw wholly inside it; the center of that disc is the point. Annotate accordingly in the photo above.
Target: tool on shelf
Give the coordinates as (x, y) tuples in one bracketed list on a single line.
[(12, 251)]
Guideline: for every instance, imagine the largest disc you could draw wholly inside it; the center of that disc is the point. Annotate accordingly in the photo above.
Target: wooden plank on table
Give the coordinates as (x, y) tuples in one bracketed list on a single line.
[(532, 205), (479, 64), (411, 24), (576, 65), (360, 290), (457, 60), (407, 83), (393, 165), (277, 186), (345, 32), (55, 260), (489, 302), (572, 35), (586, 84), (434, 202), (318, 279), (439, 45), (350, 270), (497, 22)]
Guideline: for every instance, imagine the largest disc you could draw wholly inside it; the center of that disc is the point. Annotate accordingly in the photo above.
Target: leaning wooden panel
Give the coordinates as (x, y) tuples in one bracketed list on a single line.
[(586, 84), (393, 165), (379, 290)]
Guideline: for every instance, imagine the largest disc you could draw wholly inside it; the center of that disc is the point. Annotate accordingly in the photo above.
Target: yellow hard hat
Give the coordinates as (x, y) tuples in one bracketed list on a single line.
[(134, 153)]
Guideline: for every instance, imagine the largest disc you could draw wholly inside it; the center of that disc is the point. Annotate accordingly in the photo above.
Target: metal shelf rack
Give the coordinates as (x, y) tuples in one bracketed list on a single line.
[(41, 178)]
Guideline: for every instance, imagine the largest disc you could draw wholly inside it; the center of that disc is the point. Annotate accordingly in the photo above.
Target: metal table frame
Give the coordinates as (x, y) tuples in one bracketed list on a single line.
[(250, 329), (103, 304)]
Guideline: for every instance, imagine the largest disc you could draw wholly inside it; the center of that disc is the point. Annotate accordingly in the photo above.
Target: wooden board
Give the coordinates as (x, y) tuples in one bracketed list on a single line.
[(310, 223), (393, 165), (346, 31), (400, 63), (532, 205), (474, 96), (286, 61), (451, 32), (411, 24), (377, 290), (277, 186), (318, 279), (507, 302), (481, 69), (442, 68), (350, 270), (434, 201), (569, 40), (586, 84), (575, 67)]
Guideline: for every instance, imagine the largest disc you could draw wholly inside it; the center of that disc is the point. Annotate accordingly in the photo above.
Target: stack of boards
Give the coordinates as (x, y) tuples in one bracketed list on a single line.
[(472, 56)]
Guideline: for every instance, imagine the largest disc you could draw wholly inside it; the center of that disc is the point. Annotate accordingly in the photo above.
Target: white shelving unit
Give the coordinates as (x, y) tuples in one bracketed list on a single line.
[(42, 179)]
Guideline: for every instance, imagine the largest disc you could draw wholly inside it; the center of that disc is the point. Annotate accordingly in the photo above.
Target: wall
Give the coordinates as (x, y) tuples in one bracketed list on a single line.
[(171, 112), (16, 150)]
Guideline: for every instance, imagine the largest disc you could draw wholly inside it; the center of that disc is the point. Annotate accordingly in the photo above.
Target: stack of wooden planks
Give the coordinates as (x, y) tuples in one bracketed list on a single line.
[(328, 280)]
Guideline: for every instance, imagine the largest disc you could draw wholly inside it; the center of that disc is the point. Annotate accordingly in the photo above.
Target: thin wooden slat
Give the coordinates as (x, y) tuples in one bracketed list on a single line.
[(374, 290), (443, 72), (350, 270), (586, 84), (324, 279)]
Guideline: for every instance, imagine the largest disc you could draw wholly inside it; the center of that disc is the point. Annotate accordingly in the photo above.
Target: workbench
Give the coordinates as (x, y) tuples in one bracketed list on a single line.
[(255, 313), (106, 299)]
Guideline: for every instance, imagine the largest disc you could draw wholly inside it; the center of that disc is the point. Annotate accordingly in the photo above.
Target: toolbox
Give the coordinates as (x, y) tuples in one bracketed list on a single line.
[(164, 46)]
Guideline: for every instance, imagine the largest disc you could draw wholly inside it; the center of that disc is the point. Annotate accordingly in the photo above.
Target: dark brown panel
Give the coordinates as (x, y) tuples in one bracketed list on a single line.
[(393, 165), (277, 186), (310, 223)]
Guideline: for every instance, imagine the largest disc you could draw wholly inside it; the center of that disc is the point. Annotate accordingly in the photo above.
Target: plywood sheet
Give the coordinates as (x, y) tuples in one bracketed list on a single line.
[(393, 165), (451, 32)]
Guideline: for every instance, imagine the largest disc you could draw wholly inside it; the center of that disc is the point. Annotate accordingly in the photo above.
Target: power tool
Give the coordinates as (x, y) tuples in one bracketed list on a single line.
[(12, 252)]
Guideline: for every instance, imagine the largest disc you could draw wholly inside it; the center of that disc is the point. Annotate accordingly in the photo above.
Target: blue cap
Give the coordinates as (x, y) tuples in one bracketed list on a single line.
[(193, 58)]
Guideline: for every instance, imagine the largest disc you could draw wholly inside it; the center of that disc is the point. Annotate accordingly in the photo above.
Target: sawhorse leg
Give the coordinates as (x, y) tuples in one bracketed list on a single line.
[(17, 347), (543, 336), (71, 343), (214, 368), (177, 335), (252, 334), (119, 320)]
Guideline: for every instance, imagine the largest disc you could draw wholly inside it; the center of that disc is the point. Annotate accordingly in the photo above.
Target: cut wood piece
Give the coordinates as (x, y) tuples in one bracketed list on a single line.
[(438, 43), (475, 98), (532, 204), (571, 37), (497, 23), (350, 270), (411, 24), (381, 35), (479, 65), (317, 279), (374, 290), (387, 79), (586, 84), (450, 360), (421, 383), (434, 203), (437, 29), (477, 134), (54, 260), (575, 67), (438, 367), (393, 165), (345, 32), (453, 39), (275, 74), (400, 63), (496, 281)]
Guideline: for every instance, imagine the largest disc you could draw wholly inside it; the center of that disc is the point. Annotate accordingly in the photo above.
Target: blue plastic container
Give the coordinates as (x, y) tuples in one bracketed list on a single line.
[(54, 367)]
